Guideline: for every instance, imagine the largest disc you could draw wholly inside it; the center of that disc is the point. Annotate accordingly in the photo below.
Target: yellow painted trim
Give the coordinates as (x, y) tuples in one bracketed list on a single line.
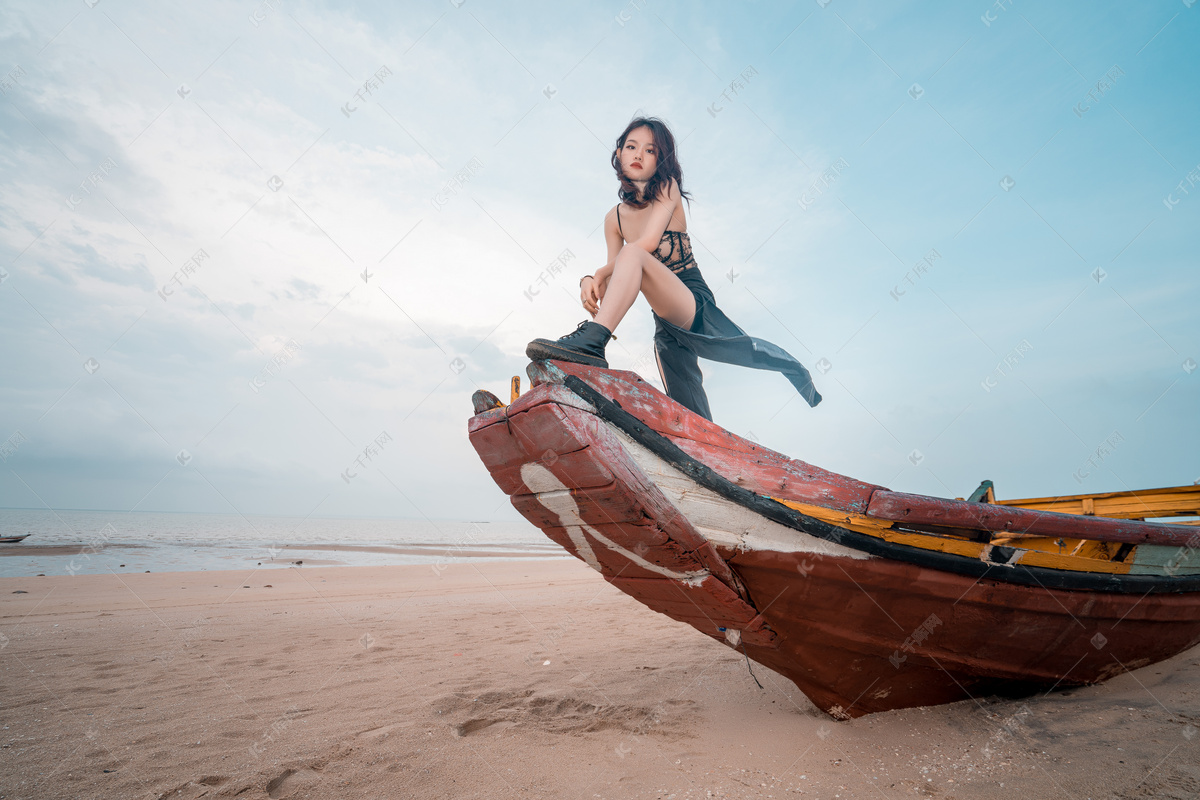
[(1077, 555)]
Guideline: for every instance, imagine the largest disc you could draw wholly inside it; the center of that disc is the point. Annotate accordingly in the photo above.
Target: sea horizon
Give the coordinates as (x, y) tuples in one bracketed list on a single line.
[(85, 541)]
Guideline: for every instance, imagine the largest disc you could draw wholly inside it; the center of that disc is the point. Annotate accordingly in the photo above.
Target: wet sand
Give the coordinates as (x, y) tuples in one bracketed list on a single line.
[(502, 679)]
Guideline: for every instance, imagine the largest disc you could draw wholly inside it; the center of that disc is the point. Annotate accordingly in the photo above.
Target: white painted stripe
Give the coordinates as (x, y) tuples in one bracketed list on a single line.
[(555, 498), (721, 521)]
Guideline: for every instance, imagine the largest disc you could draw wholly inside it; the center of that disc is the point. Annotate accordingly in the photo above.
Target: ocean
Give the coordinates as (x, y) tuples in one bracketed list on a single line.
[(91, 542)]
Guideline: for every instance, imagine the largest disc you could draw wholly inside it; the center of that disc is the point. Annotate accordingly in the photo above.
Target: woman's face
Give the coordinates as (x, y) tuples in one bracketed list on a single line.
[(639, 156)]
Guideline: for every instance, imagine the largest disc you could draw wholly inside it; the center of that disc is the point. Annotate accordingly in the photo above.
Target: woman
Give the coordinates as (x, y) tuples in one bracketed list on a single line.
[(649, 252)]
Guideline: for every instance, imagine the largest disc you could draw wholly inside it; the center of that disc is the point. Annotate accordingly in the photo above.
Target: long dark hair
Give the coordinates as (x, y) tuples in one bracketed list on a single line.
[(668, 164)]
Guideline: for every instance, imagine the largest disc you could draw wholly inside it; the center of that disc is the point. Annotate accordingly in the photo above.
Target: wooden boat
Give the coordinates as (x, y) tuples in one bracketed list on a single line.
[(867, 599), (13, 539)]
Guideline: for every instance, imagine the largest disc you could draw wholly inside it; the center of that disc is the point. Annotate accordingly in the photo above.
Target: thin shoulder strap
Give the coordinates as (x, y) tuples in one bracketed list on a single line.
[(619, 221)]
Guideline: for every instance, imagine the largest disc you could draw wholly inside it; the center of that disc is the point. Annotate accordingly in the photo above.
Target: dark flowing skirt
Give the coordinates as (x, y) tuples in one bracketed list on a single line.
[(714, 336)]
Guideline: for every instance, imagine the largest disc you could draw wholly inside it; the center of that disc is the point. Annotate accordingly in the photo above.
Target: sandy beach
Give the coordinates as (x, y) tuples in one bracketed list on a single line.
[(502, 679)]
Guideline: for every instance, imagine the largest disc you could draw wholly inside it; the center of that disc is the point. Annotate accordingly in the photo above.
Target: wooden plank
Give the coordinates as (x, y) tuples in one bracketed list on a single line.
[(580, 469), (1139, 504), (644, 541), (587, 427), (901, 507), (707, 606), (781, 478), (597, 505)]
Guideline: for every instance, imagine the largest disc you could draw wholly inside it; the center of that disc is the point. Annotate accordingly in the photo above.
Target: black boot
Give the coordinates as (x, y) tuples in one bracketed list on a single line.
[(584, 346)]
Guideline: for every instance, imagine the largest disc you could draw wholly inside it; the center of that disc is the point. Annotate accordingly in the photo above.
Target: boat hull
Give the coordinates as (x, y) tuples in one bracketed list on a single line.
[(859, 625), (861, 636)]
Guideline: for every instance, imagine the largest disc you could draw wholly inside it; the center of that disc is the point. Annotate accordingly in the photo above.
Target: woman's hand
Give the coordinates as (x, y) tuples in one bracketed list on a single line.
[(589, 294)]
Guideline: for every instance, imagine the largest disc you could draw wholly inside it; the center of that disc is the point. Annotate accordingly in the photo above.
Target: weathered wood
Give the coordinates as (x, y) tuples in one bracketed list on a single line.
[(1170, 501), (643, 541), (587, 427), (581, 469), (597, 505), (776, 474), (823, 622), (783, 479), (708, 606), (901, 507)]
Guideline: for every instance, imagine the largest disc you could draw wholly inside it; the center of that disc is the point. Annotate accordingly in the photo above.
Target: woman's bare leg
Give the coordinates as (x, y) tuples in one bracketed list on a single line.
[(635, 271)]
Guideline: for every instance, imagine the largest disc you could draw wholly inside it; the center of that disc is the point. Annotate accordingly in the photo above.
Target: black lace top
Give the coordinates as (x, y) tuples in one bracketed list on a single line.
[(674, 249)]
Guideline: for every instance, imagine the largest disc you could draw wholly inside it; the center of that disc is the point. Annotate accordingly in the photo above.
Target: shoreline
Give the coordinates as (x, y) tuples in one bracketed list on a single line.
[(489, 677)]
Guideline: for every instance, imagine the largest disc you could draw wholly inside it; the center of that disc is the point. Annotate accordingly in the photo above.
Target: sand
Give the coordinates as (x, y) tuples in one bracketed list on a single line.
[(502, 679)]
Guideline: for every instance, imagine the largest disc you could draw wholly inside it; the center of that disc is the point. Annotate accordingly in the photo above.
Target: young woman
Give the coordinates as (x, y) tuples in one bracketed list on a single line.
[(649, 252)]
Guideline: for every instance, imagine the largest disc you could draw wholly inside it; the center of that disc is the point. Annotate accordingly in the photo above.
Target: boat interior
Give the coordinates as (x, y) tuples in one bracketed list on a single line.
[(1176, 505)]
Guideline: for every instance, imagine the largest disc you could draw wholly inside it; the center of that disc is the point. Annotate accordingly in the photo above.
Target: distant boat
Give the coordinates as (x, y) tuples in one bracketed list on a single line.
[(12, 539), (867, 599)]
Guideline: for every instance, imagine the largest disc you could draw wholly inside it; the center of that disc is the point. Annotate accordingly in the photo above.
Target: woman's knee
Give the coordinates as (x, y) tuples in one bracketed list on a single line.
[(631, 252)]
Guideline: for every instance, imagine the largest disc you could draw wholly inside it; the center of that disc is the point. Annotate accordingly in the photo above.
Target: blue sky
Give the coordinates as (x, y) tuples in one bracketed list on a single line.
[(995, 278)]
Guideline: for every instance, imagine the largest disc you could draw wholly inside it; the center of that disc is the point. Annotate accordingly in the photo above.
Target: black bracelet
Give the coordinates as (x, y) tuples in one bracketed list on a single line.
[(585, 277)]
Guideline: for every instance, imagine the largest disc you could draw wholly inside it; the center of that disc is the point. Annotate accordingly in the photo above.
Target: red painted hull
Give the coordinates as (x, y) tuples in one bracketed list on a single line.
[(856, 630)]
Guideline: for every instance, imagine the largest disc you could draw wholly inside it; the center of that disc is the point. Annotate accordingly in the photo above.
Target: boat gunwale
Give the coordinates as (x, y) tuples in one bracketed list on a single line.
[(997, 569)]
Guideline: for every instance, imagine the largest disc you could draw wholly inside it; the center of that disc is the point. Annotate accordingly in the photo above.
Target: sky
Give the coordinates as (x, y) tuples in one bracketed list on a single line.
[(243, 244)]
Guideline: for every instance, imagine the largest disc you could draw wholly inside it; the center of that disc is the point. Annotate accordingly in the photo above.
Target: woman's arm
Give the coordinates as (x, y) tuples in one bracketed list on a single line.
[(591, 291)]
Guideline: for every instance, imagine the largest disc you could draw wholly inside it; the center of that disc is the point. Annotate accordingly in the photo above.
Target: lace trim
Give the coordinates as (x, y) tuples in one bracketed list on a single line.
[(678, 255)]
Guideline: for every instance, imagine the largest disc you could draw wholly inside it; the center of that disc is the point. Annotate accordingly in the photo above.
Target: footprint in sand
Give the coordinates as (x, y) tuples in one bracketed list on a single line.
[(291, 782)]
